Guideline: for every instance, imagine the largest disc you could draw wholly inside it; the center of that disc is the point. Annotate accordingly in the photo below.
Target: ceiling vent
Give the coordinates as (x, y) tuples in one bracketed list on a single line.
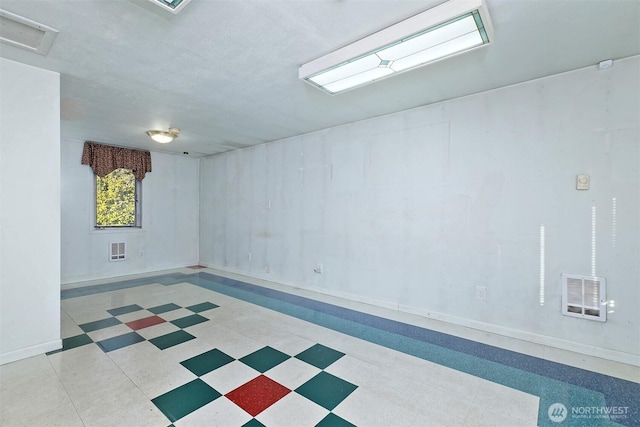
[(584, 297), (173, 6), (25, 33)]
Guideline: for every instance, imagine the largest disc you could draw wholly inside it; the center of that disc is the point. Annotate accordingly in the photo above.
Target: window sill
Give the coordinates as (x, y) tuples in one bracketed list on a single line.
[(114, 230)]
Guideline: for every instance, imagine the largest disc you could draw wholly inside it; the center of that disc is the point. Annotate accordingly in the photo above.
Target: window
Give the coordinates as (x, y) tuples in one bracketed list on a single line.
[(118, 200)]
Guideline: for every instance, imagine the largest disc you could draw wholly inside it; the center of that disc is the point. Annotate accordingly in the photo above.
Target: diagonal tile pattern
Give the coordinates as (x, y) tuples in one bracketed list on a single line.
[(255, 395), (388, 376)]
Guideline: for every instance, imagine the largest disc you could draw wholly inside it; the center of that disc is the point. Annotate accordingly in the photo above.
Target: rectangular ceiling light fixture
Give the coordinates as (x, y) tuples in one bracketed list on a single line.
[(173, 6), (446, 30)]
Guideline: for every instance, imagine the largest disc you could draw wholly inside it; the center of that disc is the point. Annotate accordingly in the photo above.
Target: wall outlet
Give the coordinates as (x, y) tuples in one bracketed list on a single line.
[(318, 269), (481, 293), (267, 268), (248, 256)]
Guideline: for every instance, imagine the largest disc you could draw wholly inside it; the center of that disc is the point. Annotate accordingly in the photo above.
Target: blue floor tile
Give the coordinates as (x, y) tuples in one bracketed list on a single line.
[(120, 341), (124, 310), (99, 324)]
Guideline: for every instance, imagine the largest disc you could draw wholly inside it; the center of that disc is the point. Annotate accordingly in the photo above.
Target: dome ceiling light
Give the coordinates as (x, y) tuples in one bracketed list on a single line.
[(164, 136)]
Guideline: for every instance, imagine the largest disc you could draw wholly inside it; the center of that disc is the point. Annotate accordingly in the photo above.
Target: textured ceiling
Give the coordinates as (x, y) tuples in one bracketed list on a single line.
[(226, 72)]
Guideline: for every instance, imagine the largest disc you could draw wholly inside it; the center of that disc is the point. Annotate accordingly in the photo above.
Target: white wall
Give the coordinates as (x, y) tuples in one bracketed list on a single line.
[(29, 211), (169, 234), (416, 209)]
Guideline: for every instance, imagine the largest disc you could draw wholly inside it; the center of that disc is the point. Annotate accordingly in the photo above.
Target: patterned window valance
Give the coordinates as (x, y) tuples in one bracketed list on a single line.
[(104, 159)]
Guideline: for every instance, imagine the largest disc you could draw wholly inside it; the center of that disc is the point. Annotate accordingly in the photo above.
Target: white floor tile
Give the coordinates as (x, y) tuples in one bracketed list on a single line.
[(292, 410), (230, 376), (134, 315), (366, 407), (31, 395), (150, 369), (110, 332), (220, 413), (157, 330), (292, 373)]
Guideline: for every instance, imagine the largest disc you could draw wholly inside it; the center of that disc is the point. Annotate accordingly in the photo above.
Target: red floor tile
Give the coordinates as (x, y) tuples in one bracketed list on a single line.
[(258, 394), (145, 323)]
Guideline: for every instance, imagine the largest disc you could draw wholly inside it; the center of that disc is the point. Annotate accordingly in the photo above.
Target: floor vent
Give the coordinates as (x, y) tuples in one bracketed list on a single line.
[(25, 33), (117, 251), (584, 297)]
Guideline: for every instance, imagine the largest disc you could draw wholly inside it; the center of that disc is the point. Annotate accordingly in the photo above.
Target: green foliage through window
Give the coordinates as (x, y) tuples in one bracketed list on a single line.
[(116, 199)]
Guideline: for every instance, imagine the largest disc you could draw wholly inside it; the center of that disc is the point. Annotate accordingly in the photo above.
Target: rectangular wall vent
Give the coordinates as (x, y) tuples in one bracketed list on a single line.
[(25, 33), (584, 297), (117, 251)]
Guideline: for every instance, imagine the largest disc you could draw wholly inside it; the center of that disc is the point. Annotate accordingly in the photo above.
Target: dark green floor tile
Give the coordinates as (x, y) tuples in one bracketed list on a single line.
[(332, 420), (253, 423), (185, 322), (202, 307), (320, 356), (207, 362), (99, 324), (77, 341), (73, 342), (119, 341), (164, 308), (124, 310), (185, 399), (169, 340), (264, 359), (326, 390)]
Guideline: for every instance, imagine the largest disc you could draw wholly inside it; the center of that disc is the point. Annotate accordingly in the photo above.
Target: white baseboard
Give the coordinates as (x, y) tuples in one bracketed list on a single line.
[(23, 353), (576, 347), (79, 279)]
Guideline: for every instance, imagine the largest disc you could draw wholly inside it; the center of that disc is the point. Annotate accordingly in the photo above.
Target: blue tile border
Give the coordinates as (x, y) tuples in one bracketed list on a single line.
[(576, 388), (164, 279)]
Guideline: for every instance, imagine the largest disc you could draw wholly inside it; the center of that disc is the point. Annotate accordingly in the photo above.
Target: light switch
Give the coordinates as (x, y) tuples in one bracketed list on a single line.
[(582, 182)]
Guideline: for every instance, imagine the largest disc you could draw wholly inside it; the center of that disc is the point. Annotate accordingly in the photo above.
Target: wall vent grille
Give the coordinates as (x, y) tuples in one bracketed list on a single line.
[(117, 251), (25, 33), (584, 297)]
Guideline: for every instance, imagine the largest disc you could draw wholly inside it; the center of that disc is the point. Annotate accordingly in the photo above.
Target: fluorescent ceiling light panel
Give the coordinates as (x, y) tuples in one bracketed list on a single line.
[(25, 33), (446, 30), (173, 6)]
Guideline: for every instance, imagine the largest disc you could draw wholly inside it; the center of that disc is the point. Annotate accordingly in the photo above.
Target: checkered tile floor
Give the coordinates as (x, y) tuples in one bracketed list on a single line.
[(254, 392), (200, 349)]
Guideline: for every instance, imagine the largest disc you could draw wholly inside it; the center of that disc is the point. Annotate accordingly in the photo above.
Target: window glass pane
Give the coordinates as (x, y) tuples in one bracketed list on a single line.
[(116, 199)]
